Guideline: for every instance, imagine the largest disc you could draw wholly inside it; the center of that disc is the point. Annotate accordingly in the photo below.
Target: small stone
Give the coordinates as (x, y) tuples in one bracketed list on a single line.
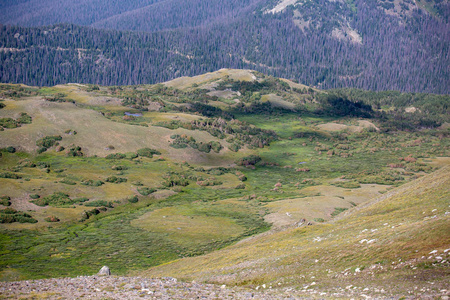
[(104, 271)]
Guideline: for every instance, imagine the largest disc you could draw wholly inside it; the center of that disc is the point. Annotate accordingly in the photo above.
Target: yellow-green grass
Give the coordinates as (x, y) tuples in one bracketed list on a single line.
[(318, 202), (188, 82), (277, 101), (187, 226), (402, 226), (95, 132)]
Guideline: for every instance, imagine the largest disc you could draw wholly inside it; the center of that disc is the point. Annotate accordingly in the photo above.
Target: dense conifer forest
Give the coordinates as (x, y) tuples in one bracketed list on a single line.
[(364, 44)]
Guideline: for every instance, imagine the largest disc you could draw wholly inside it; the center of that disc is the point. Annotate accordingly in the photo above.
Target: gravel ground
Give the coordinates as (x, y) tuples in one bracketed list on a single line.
[(112, 287)]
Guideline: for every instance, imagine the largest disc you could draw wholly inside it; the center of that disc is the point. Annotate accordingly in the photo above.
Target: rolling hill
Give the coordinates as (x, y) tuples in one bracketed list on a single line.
[(231, 177), (376, 45)]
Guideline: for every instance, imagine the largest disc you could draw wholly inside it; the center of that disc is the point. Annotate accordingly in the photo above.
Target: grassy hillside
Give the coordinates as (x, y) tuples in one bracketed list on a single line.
[(139, 176), (399, 241)]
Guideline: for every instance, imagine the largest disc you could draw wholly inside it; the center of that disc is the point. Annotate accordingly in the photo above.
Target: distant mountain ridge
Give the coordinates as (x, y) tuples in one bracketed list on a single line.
[(376, 45)]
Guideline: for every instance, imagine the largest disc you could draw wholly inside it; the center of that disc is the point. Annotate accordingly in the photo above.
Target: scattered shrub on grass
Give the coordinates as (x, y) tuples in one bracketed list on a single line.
[(10, 215), (91, 182), (52, 219), (98, 203), (48, 141), (74, 151), (148, 152), (240, 186), (89, 213), (145, 191), (9, 175), (35, 196), (234, 147), (249, 160), (119, 168), (338, 210), (4, 200), (10, 149), (24, 119), (58, 199), (70, 132), (347, 184), (115, 156), (68, 182), (133, 199), (209, 182), (8, 123), (114, 179), (174, 179), (319, 220)]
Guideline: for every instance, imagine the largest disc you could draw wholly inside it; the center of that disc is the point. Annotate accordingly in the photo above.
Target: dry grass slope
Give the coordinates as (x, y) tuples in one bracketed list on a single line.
[(397, 242)]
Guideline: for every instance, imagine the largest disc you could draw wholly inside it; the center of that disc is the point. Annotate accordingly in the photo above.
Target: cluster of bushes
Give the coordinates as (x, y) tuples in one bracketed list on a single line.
[(58, 97), (115, 179), (52, 219), (145, 191), (133, 199), (209, 182), (90, 182), (9, 175), (70, 132), (173, 179), (10, 123), (148, 152), (74, 151), (99, 203), (248, 160), (58, 199), (10, 215), (183, 141), (115, 156), (93, 212), (347, 184), (5, 200), (47, 142)]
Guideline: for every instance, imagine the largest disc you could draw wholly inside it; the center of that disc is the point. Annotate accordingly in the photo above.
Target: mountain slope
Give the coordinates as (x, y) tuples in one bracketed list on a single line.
[(397, 241), (328, 44)]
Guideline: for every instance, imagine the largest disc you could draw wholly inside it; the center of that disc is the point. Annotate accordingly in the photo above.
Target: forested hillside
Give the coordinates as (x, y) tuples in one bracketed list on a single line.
[(372, 45)]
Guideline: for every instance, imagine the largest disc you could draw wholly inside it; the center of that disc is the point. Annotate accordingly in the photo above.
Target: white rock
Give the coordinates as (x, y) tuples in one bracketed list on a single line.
[(432, 252)]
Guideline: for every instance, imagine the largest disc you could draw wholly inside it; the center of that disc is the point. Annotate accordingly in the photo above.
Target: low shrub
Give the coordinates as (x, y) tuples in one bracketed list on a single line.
[(98, 203), (145, 191), (115, 179), (148, 152), (91, 182), (133, 199), (249, 160), (5, 200), (10, 215), (10, 175), (347, 184), (115, 156), (52, 219)]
